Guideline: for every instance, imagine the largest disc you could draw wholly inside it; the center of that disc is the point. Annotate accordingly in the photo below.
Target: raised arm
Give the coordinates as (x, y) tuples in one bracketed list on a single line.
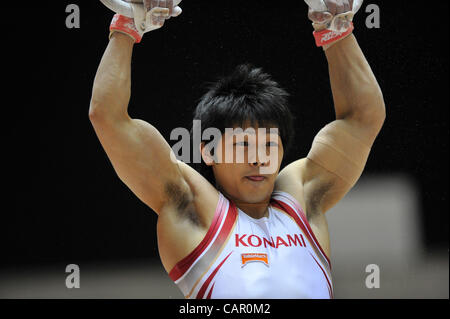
[(357, 96), (340, 150), (137, 151)]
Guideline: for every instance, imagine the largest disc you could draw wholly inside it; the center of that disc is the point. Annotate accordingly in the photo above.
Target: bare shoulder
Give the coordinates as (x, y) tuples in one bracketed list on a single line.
[(311, 184), (183, 224), (289, 180), (293, 179)]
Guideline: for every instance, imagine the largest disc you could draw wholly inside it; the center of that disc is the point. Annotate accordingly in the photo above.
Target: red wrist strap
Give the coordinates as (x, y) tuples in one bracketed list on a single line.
[(325, 37), (126, 25)]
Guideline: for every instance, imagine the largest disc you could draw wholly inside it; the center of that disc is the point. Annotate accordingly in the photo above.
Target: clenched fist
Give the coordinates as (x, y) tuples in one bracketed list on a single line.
[(334, 15), (160, 10), (142, 16)]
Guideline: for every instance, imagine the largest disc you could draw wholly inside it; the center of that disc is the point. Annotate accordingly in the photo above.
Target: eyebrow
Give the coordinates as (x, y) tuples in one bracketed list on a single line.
[(252, 132)]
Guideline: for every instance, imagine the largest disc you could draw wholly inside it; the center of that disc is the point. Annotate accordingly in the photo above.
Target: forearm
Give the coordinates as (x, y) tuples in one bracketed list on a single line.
[(112, 83), (355, 89)]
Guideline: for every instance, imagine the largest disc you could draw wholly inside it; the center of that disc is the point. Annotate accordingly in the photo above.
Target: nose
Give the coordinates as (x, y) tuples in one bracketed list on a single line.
[(257, 159), (258, 163)]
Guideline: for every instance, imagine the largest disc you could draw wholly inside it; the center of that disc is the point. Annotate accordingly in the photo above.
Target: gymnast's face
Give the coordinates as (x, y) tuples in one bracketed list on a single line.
[(247, 162)]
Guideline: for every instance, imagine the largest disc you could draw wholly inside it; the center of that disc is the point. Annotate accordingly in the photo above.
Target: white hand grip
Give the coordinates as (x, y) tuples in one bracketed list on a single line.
[(356, 5), (119, 7), (317, 5), (320, 6), (124, 8)]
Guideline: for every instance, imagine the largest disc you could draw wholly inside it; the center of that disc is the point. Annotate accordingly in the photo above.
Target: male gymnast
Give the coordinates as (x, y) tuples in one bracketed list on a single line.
[(250, 232)]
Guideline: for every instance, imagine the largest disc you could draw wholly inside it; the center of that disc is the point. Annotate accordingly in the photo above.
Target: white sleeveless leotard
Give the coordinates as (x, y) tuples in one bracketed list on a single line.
[(267, 258)]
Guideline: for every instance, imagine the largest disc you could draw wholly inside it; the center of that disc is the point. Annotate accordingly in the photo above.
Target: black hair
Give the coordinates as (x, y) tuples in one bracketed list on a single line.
[(247, 94)]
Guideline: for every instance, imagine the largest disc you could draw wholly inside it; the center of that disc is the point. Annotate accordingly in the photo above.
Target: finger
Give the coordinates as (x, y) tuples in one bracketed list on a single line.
[(147, 5), (316, 5), (153, 4), (160, 12), (356, 5), (339, 7), (331, 5), (319, 17), (170, 7), (176, 11), (350, 2), (346, 4), (163, 4), (158, 21)]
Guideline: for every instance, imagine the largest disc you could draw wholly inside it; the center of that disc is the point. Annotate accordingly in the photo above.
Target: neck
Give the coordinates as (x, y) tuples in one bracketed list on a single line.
[(254, 210)]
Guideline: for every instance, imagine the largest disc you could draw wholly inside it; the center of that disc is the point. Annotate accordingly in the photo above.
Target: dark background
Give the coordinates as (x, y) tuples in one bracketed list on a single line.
[(62, 201)]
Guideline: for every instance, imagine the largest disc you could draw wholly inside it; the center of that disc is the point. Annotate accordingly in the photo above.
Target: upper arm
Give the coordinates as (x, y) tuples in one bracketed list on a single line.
[(141, 158), (335, 162)]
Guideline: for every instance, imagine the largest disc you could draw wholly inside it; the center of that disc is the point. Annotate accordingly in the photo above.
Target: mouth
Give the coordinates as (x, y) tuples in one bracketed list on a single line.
[(256, 178)]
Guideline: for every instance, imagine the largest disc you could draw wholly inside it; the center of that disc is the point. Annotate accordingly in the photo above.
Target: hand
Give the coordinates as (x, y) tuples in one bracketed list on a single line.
[(161, 10), (334, 15), (152, 14), (147, 16)]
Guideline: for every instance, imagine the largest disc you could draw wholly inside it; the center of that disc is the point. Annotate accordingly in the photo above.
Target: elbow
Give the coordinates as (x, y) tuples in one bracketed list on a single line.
[(108, 106), (378, 109), (372, 111), (95, 111), (101, 113)]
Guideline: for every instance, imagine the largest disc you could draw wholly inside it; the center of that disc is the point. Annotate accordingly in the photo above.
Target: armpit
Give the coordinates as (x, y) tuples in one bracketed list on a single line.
[(315, 198), (181, 199)]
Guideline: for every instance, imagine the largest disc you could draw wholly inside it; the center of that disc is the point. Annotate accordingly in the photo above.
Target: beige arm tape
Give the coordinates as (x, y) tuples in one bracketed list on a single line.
[(338, 151)]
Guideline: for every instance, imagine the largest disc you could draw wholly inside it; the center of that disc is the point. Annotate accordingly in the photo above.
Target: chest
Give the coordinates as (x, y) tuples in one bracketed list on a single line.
[(269, 258)]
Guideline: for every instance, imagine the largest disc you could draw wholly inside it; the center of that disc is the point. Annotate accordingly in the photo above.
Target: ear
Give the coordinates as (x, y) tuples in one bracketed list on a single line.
[(206, 155)]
